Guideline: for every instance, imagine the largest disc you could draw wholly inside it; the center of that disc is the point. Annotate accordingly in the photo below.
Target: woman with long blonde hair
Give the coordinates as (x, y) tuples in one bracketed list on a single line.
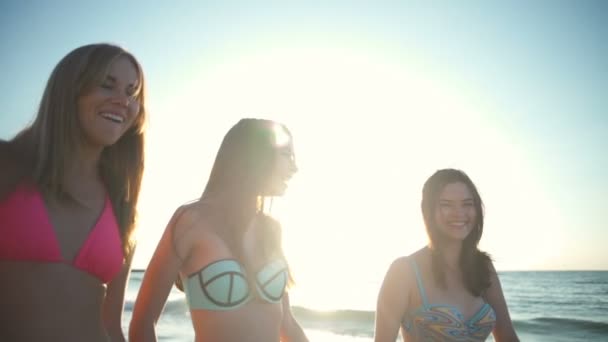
[(69, 185), (225, 251)]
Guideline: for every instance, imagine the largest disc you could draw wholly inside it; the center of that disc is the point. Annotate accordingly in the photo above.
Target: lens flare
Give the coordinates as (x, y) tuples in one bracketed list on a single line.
[(281, 135)]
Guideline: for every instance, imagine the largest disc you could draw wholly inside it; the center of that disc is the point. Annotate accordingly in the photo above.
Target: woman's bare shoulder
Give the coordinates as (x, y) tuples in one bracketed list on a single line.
[(402, 267), (397, 285), (421, 256), (194, 214)]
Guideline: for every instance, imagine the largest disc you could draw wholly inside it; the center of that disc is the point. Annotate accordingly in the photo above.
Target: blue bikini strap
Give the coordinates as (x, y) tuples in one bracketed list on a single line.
[(419, 281)]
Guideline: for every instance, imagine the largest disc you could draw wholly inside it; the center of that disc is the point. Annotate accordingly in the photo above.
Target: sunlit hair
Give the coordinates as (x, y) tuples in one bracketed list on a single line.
[(49, 142), (474, 263), (242, 172), (240, 176), (245, 159)]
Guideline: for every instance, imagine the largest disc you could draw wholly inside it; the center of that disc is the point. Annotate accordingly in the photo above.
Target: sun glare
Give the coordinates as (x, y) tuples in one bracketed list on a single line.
[(368, 132), (281, 136)]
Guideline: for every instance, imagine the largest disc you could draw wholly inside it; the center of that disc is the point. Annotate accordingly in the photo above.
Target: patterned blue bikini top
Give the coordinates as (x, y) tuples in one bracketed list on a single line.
[(438, 322)]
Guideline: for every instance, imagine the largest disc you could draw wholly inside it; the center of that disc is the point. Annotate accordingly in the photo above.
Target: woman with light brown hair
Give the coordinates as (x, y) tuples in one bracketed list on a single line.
[(69, 185), (225, 250)]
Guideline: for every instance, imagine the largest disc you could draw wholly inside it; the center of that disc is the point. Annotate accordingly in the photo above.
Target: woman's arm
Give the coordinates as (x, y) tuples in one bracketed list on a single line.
[(156, 285), (113, 304), (291, 331), (392, 302), (503, 331)]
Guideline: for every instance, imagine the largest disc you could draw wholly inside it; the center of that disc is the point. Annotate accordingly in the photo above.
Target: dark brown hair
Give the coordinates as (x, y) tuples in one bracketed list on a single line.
[(474, 263)]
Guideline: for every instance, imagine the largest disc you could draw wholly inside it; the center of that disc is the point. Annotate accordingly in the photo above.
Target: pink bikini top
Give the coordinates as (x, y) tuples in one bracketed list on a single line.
[(26, 234)]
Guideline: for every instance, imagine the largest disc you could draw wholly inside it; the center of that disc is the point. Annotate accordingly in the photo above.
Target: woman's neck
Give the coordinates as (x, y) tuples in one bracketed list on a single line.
[(450, 253), (85, 161), (81, 178)]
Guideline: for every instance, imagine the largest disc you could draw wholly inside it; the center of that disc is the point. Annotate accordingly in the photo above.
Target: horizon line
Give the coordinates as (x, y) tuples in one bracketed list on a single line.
[(533, 270)]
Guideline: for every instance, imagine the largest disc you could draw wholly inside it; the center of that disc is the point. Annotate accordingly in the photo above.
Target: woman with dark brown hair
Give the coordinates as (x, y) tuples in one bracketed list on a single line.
[(449, 290), (69, 185), (225, 250)]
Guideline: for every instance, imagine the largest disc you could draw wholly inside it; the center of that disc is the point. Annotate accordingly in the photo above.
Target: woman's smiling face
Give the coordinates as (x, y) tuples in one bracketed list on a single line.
[(108, 109), (455, 214)]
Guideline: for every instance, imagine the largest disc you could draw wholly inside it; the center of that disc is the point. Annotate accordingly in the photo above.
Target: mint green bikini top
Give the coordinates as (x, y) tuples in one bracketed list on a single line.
[(223, 285)]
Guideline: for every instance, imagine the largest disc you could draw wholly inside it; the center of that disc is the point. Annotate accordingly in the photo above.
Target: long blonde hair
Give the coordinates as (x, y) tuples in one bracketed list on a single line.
[(46, 146), (242, 169)]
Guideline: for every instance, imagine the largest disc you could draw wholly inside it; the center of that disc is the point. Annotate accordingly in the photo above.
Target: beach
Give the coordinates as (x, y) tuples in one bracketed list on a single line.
[(544, 306)]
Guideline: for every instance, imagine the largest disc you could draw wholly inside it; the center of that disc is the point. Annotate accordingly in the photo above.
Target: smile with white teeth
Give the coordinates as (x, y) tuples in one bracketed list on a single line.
[(113, 117)]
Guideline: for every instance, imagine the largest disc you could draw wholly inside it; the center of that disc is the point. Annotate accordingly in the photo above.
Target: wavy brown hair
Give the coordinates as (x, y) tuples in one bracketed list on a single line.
[(474, 263), (45, 147)]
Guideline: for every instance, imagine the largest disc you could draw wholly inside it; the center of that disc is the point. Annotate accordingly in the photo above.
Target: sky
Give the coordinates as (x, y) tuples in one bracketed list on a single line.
[(378, 95)]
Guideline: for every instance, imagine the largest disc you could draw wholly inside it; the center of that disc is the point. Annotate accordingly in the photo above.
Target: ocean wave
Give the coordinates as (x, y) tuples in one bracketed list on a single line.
[(358, 323), (361, 323), (341, 322), (566, 325), (591, 282), (173, 308), (129, 305)]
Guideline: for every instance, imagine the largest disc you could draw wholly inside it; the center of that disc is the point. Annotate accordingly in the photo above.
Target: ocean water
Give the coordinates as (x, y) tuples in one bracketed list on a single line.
[(544, 306)]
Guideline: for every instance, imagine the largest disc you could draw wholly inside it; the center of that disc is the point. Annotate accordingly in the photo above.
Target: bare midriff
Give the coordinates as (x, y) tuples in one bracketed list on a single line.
[(50, 302), (254, 322)]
